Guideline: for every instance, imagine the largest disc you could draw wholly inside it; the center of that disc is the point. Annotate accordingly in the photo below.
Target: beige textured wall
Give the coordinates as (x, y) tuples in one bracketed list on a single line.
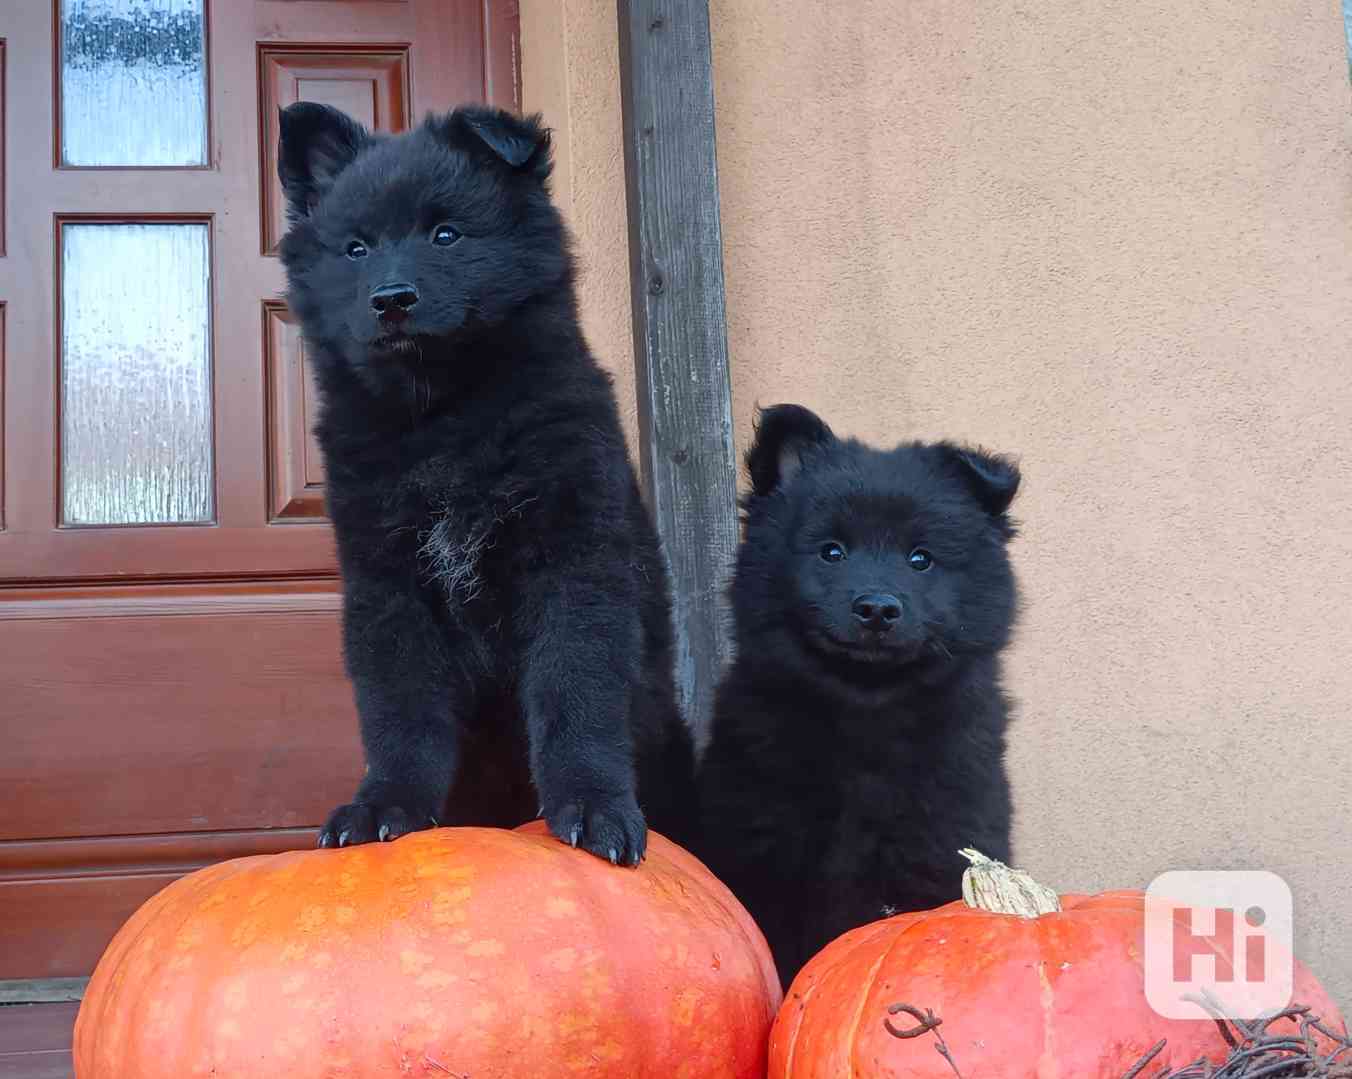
[(1116, 240), (570, 72)]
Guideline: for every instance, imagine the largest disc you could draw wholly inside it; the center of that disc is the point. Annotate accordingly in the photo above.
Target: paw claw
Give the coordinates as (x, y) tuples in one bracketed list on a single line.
[(363, 822), (610, 827)]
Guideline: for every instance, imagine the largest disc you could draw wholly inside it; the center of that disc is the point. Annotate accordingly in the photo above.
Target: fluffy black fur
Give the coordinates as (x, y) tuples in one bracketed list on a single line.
[(506, 609), (858, 738)]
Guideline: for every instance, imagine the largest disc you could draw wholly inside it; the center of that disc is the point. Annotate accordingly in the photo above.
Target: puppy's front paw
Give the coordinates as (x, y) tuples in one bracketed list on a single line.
[(361, 822), (609, 826)]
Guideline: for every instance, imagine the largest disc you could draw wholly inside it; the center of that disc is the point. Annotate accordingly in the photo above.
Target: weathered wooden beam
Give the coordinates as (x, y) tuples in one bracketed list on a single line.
[(680, 332)]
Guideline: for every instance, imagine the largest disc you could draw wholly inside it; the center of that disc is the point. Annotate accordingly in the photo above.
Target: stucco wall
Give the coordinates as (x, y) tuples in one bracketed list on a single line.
[(570, 72), (1118, 242)]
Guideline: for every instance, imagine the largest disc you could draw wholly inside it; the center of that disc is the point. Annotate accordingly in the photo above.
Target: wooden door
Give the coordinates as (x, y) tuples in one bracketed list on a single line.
[(171, 690)]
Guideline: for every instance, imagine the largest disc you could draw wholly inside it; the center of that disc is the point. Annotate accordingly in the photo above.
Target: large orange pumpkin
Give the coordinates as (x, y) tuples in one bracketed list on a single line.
[(1051, 995), (453, 952)]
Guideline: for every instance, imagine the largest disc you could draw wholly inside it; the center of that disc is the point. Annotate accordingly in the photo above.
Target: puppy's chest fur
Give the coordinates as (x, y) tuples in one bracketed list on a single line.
[(456, 515), (893, 806), (458, 537)]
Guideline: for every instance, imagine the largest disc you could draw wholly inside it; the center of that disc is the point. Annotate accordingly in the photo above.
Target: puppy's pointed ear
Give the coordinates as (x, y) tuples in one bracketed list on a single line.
[(523, 142), (992, 477), (784, 436), (317, 143)]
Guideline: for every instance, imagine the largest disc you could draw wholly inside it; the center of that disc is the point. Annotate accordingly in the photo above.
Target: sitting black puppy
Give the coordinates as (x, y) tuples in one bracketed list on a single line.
[(858, 738), (505, 597)]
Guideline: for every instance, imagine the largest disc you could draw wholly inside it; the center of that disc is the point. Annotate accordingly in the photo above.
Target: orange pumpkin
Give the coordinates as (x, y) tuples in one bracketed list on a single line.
[(453, 952), (1020, 994)]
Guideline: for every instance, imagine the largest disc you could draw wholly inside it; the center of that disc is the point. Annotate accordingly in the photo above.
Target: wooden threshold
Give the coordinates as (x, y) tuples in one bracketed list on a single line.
[(35, 1040), (42, 990)]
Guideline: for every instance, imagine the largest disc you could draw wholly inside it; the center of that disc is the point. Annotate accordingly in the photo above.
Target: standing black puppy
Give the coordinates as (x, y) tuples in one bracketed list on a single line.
[(858, 739), (505, 597)]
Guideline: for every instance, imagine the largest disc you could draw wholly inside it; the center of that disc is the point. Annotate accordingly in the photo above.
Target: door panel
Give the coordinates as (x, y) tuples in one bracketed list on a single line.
[(175, 712), (71, 895), (2, 334), (171, 686), (3, 214), (369, 83), (295, 467)]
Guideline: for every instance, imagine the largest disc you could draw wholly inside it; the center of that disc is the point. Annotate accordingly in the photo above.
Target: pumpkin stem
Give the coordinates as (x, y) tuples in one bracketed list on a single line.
[(993, 886)]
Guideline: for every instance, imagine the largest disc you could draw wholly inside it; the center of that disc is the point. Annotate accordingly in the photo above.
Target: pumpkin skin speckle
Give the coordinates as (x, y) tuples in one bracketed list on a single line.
[(493, 953), (1059, 996)]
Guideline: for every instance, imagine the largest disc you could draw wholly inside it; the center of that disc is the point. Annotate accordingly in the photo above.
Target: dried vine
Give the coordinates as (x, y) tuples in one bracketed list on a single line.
[(1256, 1053), (926, 1023)]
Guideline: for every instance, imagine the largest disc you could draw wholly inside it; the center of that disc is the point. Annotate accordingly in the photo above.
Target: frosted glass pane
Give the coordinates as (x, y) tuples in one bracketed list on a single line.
[(135, 374), (133, 82)]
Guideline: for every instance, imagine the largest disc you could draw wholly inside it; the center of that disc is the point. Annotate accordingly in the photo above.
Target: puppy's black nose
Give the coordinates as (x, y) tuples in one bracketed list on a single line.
[(877, 610), (391, 302)]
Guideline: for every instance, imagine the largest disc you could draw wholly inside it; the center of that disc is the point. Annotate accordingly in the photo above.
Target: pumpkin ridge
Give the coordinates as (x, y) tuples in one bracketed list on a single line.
[(808, 993), (196, 887), (215, 877), (720, 896), (153, 904), (712, 892), (869, 982), (630, 986), (596, 902), (818, 977), (863, 941), (191, 884), (1122, 899), (1047, 995)]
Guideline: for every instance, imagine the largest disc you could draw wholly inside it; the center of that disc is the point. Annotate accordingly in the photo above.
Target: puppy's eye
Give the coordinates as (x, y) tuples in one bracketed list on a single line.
[(920, 560), (444, 235), (356, 250), (832, 552)]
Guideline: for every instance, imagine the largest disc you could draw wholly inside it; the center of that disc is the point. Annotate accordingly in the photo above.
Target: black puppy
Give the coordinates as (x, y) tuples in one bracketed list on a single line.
[(858, 738), (498, 564)]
